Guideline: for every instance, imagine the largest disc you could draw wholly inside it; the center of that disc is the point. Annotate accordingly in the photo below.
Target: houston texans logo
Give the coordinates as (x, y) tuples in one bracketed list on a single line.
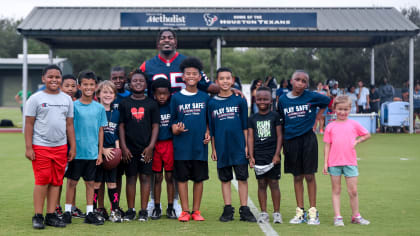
[(209, 19), (137, 113)]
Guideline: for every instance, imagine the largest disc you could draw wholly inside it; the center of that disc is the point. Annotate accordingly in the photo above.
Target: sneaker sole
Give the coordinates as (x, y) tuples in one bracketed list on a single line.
[(155, 217), (225, 219)]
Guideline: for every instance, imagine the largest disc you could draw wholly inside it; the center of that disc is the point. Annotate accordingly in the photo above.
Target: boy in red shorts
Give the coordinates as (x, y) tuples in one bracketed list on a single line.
[(48, 127), (163, 157)]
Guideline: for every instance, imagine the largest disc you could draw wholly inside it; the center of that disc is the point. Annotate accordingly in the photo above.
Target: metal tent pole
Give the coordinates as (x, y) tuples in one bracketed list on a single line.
[(372, 67), (411, 81), (219, 53), (24, 80), (50, 55)]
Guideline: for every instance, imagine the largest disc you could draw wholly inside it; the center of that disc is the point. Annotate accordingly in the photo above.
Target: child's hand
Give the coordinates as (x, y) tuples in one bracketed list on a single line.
[(126, 154), (180, 127), (30, 154), (325, 170), (357, 141), (238, 92), (99, 160), (214, 156), (251, 162), (108, 153), (72, 154), (276, 159), (148, 154), (207, 137)]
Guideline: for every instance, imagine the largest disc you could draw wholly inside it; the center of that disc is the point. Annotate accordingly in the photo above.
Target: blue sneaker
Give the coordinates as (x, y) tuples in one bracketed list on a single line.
[(299, 218)]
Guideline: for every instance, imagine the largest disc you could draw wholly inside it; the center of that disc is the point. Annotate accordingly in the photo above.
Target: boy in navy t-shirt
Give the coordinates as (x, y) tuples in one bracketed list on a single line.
[(298, 110), (264, 145), (163, 156), (227, 115), (191, 136)]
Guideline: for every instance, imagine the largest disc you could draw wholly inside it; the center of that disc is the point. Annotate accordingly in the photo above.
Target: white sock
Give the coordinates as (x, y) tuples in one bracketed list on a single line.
[(89, 208), (67, 207)]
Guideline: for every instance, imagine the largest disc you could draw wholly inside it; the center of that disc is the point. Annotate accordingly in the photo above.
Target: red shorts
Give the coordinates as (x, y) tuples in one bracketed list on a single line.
[(49, 164), (163, 156)]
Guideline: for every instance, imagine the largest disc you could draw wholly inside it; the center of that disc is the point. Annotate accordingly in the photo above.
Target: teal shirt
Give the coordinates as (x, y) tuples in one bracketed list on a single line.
[(88, 118)]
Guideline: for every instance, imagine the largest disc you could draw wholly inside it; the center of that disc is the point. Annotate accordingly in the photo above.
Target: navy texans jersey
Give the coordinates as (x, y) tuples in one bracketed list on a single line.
[(159, 67)]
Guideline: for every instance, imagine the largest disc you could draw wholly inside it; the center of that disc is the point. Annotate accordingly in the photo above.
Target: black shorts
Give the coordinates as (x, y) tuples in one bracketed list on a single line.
[(120, 169), (194, 170), (274, 173), (301, 154), (81, 168), (226, 174), (416, 110), (137, 166), (106, 176)]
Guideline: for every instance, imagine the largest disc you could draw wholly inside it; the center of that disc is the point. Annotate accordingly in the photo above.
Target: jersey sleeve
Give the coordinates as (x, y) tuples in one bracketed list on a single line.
[(204, 83), (173, 110), (70, 112), (244, 113), (250, 123), (155, 113), (103, 118), (278, 120), (327, 134), (31, 107), (122, 109), (210, 119), (280, 112), (360, 130), (143, 67), (321, 101)]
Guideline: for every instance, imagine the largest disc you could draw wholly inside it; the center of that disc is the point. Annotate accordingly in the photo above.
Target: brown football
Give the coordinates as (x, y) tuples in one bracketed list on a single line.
[(111, 164)]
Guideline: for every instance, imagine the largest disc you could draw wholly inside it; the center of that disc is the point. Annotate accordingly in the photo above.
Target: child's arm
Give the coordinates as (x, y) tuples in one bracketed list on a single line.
[(71, 138), (251, 147), (148, 151), (327, 147), (100, 145), (276, 158), (213, 150), (362, 139), (246, 143), (126, 152), (117, 144), (29, 132)]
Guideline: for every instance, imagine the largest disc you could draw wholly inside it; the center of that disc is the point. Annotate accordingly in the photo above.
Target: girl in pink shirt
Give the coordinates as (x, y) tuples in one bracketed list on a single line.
[(341, 137)]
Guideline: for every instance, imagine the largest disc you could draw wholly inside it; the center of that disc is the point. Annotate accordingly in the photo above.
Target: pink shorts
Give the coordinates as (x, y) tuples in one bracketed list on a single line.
[(49, 164)]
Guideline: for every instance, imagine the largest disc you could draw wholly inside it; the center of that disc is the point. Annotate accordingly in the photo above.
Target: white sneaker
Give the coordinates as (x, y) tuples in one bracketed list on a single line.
[(277, 219), (360, 220), (338, 221), (151, 206), (177, 208), (263, 218), (313, 218), (299, 218)]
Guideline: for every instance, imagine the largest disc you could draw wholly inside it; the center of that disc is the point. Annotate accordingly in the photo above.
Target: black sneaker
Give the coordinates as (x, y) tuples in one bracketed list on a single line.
[(38, 221), (77, 213), (67, 217), (156, 214), (143, 215), (130, 215), (122, 212), (171, 214), (93, 219), (59, 211), (52, 219), (246, 214), (227, 215), (102, 213)]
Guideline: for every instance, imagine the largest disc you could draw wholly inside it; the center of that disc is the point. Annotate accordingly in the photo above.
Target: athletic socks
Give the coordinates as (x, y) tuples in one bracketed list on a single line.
[(95, 198), (170, 206), (68, 207), (89, 208), (114, 198)]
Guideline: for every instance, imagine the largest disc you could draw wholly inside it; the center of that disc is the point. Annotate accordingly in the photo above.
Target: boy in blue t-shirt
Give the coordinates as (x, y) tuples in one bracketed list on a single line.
[(89, 120), (191, 136), (298, 109), (227, 115), (163, 156)]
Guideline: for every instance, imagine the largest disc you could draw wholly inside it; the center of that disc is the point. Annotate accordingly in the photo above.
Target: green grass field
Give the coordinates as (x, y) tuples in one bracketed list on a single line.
[(388, 190), (13, 114)]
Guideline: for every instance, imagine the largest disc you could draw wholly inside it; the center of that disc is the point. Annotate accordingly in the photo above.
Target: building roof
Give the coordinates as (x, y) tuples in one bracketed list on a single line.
[(33, 63), (100, 27)]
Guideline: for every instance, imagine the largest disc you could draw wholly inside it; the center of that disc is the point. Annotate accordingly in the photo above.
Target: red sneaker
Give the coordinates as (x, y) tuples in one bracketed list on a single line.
[(185, 216), (196, 215)]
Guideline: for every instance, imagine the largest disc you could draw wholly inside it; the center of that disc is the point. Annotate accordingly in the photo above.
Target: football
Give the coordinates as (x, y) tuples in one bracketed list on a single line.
[(111, 164)]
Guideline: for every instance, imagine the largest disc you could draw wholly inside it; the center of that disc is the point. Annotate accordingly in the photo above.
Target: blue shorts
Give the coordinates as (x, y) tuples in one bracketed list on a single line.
[(347, 171)]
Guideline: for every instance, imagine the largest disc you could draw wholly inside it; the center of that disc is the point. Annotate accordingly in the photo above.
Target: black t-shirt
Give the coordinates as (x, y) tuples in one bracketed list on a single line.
[(265, 136), (138, 117)]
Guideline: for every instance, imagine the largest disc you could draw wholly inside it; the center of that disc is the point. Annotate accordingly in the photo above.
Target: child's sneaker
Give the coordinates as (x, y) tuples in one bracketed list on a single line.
[(93, 219), (313, 216), (77, 213), (130, 214), (38, 221), (170, 213), (177, 207), (115, 216), (102, 213), (338, 221), (143, 215), (277, 219), (245, 214), (150, 206), (156, 214), (263, 217), (359, 220), (185, 216), (227, 214), (53, 220), (299, 218), (59, 211), (196, 215), (67, 217)]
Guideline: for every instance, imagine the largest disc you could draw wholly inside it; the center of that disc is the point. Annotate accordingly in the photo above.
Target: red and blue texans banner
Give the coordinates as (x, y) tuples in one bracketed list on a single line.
[(215, 20)]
